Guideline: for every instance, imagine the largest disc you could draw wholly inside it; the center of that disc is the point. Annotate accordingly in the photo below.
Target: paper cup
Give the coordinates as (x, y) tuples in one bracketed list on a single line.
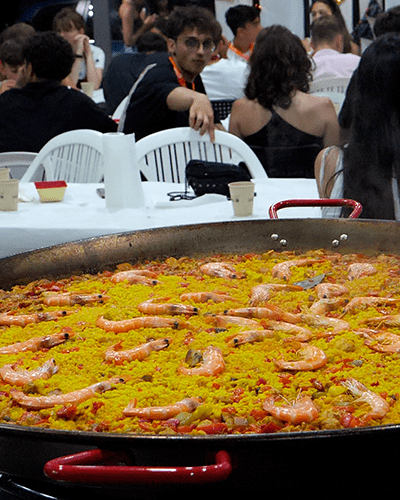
[(87, 88), (242, 196), (4, 174), (9, 195)]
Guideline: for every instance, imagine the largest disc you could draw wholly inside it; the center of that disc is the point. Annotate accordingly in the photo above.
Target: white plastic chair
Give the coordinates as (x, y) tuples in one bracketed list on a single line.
[(74, 156), (163, 156), (17, 161), (337, 84)]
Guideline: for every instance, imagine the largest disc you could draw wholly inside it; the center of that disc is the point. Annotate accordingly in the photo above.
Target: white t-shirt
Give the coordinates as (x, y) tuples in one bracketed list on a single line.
[(329, 63), (225, 79), (99, 58)]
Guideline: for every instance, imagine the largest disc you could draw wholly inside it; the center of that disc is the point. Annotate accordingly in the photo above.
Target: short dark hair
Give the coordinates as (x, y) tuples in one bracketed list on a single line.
[(17, 30), (388, 22), (279, 65), (11, 52), (151, 42), (238, 16), (51, 55), (325, 29), (193, 17)]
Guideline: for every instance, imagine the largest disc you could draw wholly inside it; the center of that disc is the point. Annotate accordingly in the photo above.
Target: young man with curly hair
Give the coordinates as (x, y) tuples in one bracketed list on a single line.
[(170, 92), (41, 107)]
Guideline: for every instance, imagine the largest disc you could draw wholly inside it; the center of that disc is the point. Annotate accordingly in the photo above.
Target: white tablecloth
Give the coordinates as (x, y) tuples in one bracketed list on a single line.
[(83, 214)]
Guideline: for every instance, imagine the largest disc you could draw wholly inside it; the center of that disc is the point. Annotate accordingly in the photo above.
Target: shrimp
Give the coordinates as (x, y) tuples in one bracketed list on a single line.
[(136, 276), (223, 321), (330, 290), (14, 377), (37, 343), (9, 319), (249, 336), (220, 270), (261, 293), (213, 363), (137, 353), (323, 306), (125, 325), (269, 311), (162, 412), (206, 296), (359, 270), (311, 358), (302, 334), (150, 307), (282, 270), (318, 320), (302, 410), (364, 302), (381, 341), (75, 397), (379, 407), (70, 299), (387, 320)]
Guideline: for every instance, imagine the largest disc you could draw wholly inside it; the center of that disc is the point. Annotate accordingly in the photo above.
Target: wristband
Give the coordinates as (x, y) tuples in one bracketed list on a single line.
[(80, 56)]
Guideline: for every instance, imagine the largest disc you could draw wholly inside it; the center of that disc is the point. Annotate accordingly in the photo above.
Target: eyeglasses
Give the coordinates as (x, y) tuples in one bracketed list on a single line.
[(194, 44)]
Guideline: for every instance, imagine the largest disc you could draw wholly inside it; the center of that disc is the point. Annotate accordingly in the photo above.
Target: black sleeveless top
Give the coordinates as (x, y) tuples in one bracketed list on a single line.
[(284, 150)]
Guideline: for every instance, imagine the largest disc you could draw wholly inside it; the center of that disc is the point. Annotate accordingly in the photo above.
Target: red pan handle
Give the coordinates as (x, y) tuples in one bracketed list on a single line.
[(83, 468), (320, 202)]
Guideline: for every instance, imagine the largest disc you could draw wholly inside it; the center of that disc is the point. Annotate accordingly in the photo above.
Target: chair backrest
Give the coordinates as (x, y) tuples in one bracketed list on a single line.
[(222, 107), (163, 156), (74, 156), (288, 162), (17, 161), (338, 84)]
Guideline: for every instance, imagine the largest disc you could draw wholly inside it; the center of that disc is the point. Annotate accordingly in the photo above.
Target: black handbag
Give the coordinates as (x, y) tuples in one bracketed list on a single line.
[(213, 177)]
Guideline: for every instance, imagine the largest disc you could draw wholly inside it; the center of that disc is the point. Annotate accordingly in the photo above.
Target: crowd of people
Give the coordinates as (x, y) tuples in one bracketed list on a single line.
[(176, 63)]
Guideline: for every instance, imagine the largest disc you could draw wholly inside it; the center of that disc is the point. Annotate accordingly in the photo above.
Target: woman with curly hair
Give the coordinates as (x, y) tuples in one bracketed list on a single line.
[(277, 114)]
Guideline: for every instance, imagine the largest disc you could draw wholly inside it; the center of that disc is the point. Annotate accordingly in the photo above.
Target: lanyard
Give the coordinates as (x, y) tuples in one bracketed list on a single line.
[(181, 80), (239, 52)]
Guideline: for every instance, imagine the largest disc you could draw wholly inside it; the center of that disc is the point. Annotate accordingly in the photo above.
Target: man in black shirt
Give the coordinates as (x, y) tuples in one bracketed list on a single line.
[(171, 94), (125, 69), (42, 107)]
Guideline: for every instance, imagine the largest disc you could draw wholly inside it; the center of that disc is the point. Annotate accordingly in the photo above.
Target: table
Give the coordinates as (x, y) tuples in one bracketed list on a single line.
[(83, 214)]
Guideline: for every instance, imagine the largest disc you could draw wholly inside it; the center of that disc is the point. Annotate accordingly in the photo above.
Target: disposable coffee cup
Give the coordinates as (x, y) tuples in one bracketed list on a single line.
[(87, 88), (9, 195), (242, 196), (4, 174)]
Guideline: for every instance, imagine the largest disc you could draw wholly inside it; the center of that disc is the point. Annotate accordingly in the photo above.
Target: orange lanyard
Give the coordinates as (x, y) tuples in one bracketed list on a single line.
[(239, 52), (181, 80)]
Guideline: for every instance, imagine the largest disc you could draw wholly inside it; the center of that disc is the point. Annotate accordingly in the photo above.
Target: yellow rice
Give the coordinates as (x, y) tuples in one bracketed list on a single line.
[(233, 398)]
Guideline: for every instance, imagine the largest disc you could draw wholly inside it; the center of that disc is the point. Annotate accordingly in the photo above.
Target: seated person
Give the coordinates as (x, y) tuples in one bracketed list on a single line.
[(42, 107), (89, 59), (367, 169), (10, 62), (277, 113), (225, 79), (125, 69), (170, 92), (327, 42), (244, 22)]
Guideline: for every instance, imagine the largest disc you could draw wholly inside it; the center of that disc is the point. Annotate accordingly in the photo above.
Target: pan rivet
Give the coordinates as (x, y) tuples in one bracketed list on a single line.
[(274, 237), (335, 243), (283, 243), (343, 237)]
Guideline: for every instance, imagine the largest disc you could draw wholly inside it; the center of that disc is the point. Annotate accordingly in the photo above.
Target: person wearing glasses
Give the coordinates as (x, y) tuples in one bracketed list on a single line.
[(170, 93)]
